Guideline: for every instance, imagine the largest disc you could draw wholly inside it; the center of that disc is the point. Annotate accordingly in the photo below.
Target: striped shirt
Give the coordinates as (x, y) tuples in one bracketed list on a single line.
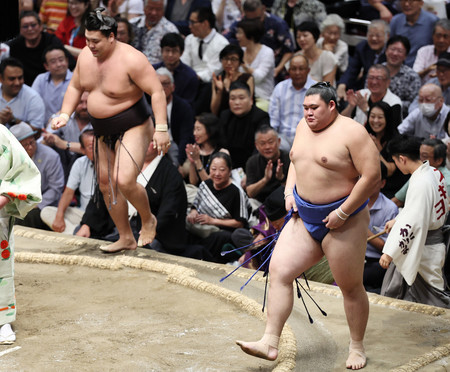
[(52, 12)]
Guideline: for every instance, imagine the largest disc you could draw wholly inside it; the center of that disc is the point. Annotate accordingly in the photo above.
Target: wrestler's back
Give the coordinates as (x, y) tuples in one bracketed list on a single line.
[(323, 165), (111, 88)]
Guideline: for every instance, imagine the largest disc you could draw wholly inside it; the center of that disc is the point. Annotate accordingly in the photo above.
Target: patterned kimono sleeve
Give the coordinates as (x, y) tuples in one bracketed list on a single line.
[(406, 241), (20, 179)]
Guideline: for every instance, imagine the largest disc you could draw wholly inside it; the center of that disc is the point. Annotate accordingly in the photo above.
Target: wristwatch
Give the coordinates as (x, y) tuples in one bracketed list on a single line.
[(68, 145)]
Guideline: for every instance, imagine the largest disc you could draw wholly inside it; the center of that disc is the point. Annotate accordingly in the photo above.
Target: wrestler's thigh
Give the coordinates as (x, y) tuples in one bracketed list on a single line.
[(135, 143), (345, 250), (295, 251)]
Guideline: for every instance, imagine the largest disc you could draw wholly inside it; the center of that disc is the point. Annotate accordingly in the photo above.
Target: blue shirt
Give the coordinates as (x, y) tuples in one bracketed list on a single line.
[(286, 108), (382, 211), (52, 94), (26, 106), (419, 34)]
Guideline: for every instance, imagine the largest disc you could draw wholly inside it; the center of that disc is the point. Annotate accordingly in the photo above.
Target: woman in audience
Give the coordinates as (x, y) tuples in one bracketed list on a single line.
[(125, 32), (322, 63), (71, 29), (259, 60), (380, 127), (206, 134), (219, 208), (331, 30), (232, 57)]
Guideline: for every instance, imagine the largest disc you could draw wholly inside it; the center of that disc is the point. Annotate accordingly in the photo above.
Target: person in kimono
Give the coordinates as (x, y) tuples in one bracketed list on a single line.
[(416, 240), (20, 191)]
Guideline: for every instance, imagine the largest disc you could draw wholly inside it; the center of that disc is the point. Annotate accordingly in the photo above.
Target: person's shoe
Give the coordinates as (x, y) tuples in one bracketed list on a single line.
[(7, 335)]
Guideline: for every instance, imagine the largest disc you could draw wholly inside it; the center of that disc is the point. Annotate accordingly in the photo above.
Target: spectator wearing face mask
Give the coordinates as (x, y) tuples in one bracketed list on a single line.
[(427, 121)]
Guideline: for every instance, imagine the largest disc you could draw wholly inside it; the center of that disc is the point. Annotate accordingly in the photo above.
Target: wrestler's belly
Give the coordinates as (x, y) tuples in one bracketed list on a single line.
[(323, 192), (102, 106)]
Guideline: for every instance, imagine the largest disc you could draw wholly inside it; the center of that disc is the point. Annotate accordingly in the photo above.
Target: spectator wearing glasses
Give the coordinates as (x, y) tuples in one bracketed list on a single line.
[(359, 103), (30, 45)]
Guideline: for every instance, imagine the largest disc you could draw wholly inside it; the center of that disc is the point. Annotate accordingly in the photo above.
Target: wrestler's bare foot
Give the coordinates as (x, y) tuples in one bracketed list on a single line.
[(123, 244), (266, 348), (148, 232), (356, 356)]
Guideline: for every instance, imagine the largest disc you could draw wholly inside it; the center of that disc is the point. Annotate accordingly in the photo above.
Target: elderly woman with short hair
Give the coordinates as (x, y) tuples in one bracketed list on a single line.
[(331, 30)]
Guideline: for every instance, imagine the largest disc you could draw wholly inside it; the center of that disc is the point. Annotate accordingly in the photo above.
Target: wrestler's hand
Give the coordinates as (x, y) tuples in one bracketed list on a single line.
[(58, 122), (389, 225), (161, 142), (289, 203), (332, 221), (385, 260)]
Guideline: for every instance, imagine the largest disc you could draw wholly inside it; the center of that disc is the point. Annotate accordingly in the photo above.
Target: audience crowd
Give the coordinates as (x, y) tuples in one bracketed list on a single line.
[(235, 73)]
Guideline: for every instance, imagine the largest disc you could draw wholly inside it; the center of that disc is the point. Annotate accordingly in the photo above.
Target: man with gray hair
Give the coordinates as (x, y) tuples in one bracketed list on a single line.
[(427, 121), (150, 28), (180, 117), (367, 53), (276, 32)]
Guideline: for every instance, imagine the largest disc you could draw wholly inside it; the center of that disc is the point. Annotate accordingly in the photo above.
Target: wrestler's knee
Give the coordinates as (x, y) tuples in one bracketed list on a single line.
[(127, 185)]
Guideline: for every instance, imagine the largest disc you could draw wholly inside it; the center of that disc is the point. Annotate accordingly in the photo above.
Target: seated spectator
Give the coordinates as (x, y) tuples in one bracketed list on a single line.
[(367, 53), (52, 175), (179, 13), (381, 129), (378, 81), (378, 9), (150, 29), (186, 80), (29, 46), (206, 135), (405, 82), (180, 118), (64, 218), (276, 33), (322, 63), (381, 210), (442, 78), (258, 60), (167, 196), (286, 103), (415, 24), (219, 208), (51, 13), (231, 57), (52, 85), (65, 141), (416, 242), (434, 151), (427, 56), (238, 125), (427, 121), (267, 169), (71, 30), (201, 53), (295, 12), (18, 102), (227, 12), (331, 30), (125, 32)]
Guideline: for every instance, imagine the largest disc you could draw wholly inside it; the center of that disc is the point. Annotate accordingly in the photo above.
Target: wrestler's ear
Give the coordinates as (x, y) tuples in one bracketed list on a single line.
[(332, 105)]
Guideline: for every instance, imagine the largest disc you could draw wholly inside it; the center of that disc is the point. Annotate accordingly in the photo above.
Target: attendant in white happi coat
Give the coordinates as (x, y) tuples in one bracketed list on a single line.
[(416, 241), (20, 191)]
